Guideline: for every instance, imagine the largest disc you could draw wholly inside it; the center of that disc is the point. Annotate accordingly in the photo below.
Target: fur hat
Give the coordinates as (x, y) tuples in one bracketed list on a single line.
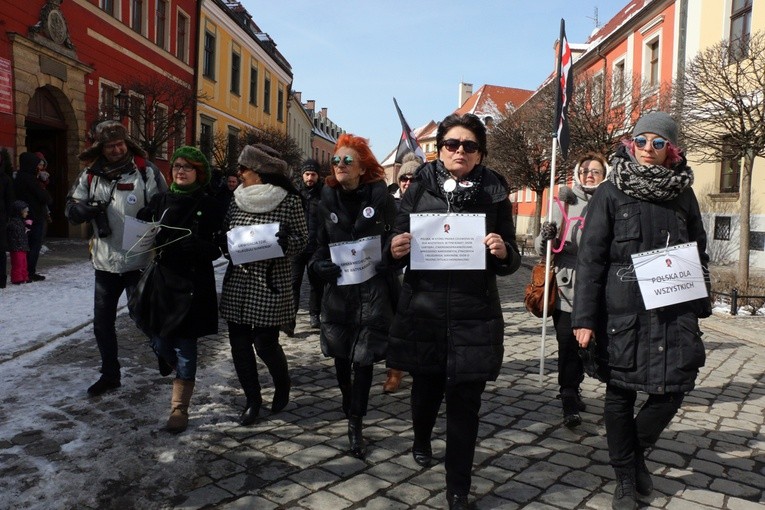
[(110, 131), (194, 155), (659, 123), (263, 159)]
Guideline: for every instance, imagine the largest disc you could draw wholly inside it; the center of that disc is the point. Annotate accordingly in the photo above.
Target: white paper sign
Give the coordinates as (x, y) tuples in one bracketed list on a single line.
[(138, 235), (357, 259), (669, 276), (447, 241), (253, 242)]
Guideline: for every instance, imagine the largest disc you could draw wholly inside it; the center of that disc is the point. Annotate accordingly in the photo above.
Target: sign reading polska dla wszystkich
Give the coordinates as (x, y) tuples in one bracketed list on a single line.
[(670, 275)]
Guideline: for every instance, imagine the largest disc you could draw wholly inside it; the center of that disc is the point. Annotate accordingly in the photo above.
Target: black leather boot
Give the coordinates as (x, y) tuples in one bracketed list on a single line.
[(345, 389), (246, 368), (457, 501), (624, 493), (571, 416), (355, 437), (643, 482), (274, 358)]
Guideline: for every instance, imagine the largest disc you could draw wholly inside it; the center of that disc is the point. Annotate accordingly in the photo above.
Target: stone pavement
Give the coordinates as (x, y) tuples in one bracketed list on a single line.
[(111, 452)]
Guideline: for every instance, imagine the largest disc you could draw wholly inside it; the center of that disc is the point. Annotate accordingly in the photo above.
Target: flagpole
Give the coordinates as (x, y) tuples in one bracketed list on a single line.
[(548, 257), (559, 117)]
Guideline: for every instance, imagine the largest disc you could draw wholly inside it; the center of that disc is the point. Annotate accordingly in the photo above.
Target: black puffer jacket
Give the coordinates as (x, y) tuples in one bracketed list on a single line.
[(659, 350), (355, 318), (451, 321), (28, 189), (192, 256)]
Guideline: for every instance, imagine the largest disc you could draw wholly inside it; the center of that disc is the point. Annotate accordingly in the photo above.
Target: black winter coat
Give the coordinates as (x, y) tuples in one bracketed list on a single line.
[(28, 189), (190, 257), (355, 318), (6, 206), (311, 199), (656, 351), (450, 322)]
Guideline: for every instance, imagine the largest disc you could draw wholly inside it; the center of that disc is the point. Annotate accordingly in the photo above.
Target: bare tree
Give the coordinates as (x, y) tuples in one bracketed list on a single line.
[(604, 108), (519, 148), (222, 153), (158, 112), (722, 105), (284, 144)]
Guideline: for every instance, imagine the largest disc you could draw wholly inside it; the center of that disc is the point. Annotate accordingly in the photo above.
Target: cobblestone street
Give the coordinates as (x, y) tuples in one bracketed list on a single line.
[(111, 452)]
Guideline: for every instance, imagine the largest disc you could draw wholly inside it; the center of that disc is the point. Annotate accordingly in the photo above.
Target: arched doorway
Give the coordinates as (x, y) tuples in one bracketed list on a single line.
[(46, 132)]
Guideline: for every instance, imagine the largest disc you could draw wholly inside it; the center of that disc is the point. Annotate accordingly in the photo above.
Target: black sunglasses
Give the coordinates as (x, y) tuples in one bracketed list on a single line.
[(656, 143), (405, 178), (347, 160), (469, 146)]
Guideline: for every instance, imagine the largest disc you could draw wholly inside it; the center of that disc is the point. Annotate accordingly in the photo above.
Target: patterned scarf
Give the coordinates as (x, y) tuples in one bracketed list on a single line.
[(652, 183), (467, 188)]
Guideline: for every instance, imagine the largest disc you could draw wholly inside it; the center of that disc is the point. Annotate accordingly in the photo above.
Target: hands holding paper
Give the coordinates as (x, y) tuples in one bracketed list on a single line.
[(401, 245), (496, 245), (326, 270)]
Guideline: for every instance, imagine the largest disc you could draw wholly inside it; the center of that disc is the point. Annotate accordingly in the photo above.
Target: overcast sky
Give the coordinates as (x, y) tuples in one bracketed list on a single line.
[(354, 56)]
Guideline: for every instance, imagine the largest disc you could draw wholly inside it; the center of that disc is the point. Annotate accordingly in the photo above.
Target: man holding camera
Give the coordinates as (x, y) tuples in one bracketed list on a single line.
[(117, 182)]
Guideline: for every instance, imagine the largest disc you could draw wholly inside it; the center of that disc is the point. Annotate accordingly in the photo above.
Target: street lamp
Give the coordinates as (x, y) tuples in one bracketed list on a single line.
[(122, 102)]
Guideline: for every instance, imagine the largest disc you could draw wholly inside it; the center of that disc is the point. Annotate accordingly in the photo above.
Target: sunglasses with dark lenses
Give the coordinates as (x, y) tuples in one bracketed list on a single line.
[(404, 178), (347, 160), (656, 143), (469, 146)]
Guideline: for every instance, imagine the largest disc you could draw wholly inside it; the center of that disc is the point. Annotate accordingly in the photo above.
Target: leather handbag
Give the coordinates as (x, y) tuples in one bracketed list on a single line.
[(161, 301), (534, 299)]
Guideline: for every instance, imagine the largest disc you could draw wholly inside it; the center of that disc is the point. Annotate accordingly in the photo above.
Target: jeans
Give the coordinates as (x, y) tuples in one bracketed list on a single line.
[(35, 244), (463, 402), (625, 432), (299, 264), (359, 380), (108, 289), (180, 353), (570, 368)]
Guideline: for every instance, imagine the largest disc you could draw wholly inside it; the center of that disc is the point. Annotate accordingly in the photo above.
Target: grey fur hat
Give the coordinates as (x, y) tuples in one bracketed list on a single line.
[(660, 123), (109, 131), (256, 157), (409, 167)]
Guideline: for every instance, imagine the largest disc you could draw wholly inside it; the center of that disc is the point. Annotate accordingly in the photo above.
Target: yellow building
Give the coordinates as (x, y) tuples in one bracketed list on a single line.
[(717, 185), (243, 80)]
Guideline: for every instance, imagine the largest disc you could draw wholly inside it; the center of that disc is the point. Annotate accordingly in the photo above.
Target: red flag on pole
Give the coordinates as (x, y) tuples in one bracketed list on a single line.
[(565, 88), (408, 142)]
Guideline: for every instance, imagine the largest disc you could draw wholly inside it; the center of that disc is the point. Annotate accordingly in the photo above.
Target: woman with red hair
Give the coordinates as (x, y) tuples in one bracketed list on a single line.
[(355, 204)]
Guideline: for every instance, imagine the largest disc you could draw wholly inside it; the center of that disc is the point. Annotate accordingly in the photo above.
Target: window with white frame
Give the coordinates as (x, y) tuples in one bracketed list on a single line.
[(597, 95), (730, 169), (208, 58), (137, 117), (182, 38), (236, 73), (137, 16), (206, 130), (254, 83), (110, 7), (280, 104), (107, 105), (179, 131), (740, 28), (161, 29), (652, 74), (619, 82), (527, 195), (267, 93)]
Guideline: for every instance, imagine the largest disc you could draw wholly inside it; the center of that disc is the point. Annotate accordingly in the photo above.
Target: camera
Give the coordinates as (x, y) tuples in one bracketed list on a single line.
[(100, 219)]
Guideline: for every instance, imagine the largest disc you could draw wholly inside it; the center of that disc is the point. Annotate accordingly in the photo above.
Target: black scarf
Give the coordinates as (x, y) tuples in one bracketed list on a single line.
[(652, 183)]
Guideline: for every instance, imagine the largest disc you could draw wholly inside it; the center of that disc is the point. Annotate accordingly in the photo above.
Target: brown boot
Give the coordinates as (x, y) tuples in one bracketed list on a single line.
[(393, 381), (179, 414)]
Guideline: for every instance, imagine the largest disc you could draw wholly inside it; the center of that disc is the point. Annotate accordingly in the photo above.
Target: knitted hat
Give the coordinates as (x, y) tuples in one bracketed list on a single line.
[(110, 131), (256, 158), (310, 165), (659, 123), (408, 168), (18, 206), (194, 155), (28, 162)]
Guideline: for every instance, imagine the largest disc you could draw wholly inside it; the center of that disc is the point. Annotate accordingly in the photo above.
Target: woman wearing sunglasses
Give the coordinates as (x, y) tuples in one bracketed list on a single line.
[(355, 204), (257, 296), (448, 331), (565, 232), (646, 204)]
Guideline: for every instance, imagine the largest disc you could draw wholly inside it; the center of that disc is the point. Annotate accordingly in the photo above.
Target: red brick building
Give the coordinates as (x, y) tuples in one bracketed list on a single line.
[(62, 64)]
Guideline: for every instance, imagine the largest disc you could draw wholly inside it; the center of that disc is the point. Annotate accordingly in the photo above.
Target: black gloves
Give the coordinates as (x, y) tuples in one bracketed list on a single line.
[(549, 231), (326, 270), (80, 212), (282, 237)]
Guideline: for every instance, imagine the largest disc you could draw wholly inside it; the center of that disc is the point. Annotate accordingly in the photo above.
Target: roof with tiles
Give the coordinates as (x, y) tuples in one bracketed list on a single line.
[(494, 100)]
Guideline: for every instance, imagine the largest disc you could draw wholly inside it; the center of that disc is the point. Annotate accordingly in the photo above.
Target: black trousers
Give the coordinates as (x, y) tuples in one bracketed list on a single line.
[(570, 368), (627, 432), (107, 291), (299, 264), (265, 340), (463, 402), (357, 379)]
